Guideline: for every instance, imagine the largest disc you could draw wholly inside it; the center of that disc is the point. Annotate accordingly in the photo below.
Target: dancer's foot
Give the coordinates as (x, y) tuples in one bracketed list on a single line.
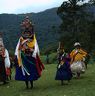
[(62, 82), (31, 82), (5, 82)]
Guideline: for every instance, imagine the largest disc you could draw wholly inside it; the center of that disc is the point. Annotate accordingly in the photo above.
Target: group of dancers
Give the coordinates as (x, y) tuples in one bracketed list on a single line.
[(70, 64), (27, 61)]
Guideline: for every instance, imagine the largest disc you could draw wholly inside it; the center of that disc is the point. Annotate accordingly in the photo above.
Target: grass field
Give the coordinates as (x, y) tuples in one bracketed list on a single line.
[(47, 86)]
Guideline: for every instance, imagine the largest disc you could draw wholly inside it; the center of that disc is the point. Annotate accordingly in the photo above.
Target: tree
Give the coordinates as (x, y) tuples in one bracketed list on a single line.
[(92, 1), (74, 22)]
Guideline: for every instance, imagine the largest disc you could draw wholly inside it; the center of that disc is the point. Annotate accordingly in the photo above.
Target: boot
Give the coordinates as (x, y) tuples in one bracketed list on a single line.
[(31, 82), (27, 85)]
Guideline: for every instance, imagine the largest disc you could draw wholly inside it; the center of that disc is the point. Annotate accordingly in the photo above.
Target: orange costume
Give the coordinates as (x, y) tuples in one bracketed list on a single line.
[(77, 59), (78, 55)]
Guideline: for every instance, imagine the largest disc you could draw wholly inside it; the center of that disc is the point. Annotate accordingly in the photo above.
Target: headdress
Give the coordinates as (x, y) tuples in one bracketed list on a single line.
[(77, 44), (27, 28)]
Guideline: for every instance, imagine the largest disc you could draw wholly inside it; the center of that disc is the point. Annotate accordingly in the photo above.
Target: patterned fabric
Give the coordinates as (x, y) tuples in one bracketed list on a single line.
[(25, 44), (29, 66), (63, 70), (77, 60), (78, 55), (28, 71)]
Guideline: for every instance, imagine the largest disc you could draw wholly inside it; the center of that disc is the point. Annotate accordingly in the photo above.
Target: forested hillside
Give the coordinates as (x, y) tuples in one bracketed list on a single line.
[(46, 24)]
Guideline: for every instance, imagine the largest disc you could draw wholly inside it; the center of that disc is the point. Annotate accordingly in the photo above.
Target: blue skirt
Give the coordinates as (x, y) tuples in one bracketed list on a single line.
[(64, 72), (29, 63)]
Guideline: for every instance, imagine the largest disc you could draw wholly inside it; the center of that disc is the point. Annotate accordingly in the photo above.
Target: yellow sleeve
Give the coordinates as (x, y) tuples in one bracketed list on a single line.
[(72, 54), (84, 53), (32, 43)]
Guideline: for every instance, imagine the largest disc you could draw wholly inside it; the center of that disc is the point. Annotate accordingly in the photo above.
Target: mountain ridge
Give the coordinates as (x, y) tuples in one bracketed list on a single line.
[(45, 25)]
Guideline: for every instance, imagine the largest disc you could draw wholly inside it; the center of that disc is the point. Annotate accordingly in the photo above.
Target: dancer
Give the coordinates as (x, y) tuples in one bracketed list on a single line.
[(63, 68), (78, 56), (4, 62), (28, 64)]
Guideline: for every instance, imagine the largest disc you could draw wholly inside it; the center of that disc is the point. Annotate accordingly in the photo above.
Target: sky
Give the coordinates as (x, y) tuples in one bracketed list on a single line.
[(27, 6)]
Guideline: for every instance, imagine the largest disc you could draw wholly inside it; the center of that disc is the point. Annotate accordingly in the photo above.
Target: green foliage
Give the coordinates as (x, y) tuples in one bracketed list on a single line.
[(52, 58), (92, 1), (45, 24), (77, 24)]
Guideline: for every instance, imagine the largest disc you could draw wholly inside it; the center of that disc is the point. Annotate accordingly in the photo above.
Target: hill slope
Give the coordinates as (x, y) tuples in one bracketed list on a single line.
[(46, 23)]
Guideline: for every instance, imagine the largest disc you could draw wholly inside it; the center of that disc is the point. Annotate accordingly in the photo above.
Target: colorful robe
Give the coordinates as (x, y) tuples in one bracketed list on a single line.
[(77, 60), (4, 64), (29, 67), (63, 70)]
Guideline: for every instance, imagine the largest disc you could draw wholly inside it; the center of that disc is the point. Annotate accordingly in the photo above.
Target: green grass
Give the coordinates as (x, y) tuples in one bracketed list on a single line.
[(52, 58), (47, 86)]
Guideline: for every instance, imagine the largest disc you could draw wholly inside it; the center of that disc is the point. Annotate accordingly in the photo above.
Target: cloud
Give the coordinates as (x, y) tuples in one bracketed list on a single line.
[(12, 6)]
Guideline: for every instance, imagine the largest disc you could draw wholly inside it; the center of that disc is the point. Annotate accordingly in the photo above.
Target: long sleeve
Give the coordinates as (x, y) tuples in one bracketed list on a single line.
[(7, 60)]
